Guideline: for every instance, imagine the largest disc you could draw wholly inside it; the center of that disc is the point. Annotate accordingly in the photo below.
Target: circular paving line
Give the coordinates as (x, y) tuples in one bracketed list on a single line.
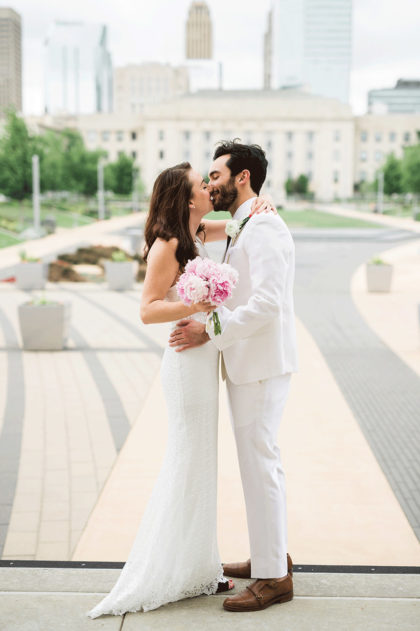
[(381, 390)]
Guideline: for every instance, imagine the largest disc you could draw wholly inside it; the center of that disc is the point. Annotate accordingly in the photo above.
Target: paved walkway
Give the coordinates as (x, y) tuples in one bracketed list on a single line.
[(57, 600), (83, 433)]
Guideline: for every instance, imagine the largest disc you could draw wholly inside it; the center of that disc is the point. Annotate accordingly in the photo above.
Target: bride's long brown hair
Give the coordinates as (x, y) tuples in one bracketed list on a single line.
[(169, 214)]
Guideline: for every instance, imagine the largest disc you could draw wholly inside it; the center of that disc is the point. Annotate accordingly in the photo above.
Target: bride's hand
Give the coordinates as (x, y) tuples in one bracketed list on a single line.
[(203, 306), (263, 204)]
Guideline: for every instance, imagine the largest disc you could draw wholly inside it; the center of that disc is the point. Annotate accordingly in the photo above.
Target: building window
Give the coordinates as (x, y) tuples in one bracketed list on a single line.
[(363, 136), (120, 136), (310, 136), (378, 156), (133, 135), (91, 135), (289, 136), (363, 156), (134, 154), (407, 136), (120, 153), (309, 175), (187, 135), (392, 136), (309, 155), (161, 154), (362, 176), (248, 138), (187, 155), (268, 183), (207, 156), (161, 134), (378, 136), (337, 135), (269, 145), (207, 136), (336, 176), (289, 155), (336, 155), (105, 135)]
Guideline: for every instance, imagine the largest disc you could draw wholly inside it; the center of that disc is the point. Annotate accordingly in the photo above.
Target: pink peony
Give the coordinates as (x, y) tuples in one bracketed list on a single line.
[(206, 281)]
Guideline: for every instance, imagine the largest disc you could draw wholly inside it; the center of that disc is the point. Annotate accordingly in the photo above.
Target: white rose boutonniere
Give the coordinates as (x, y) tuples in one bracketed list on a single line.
[(232, 228)]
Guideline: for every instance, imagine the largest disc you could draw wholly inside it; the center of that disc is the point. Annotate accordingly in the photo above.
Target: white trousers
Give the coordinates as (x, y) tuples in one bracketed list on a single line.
[(256, 410)]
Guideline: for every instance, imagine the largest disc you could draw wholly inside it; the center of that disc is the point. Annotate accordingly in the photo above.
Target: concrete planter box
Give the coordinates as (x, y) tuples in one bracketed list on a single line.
[(379, 276), (44, 327), (135, 237), (31, 275), (120, 275)]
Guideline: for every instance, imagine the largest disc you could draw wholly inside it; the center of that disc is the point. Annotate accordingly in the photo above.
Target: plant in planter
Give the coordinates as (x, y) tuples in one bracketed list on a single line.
[(30, 272), (378, 275), (44, 324), (119, 271)]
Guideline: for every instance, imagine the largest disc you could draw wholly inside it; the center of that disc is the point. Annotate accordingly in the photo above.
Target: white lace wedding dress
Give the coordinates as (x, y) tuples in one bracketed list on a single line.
[(175, 553)]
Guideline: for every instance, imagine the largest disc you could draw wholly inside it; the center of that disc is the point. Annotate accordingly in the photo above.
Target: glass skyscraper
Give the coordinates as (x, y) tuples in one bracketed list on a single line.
[(311, 46), (78, 69)]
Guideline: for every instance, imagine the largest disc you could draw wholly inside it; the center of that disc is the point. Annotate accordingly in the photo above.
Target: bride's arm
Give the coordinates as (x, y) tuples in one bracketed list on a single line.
[(162, 270), (215, 228)]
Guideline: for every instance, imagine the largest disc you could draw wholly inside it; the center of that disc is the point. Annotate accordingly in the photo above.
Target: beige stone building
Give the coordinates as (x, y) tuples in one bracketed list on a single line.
[(10, 60), (300, 133), (199, 35), (376, 136), (137, 85)]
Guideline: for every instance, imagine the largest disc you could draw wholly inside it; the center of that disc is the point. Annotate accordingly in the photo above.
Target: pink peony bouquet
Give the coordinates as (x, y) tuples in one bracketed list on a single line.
[(206, 281)]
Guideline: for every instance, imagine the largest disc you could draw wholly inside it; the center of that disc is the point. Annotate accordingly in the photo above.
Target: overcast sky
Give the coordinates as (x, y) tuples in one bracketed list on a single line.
[(386, 40)]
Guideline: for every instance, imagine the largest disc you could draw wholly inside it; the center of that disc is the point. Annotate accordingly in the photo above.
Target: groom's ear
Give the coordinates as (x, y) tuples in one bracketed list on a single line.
[(244, 176)]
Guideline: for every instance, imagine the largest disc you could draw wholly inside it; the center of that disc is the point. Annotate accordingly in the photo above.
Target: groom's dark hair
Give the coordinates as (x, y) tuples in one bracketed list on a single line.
[(250, 157)]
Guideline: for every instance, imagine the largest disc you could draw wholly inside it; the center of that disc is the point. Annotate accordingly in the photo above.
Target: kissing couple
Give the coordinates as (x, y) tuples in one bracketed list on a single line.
[(175, 553)]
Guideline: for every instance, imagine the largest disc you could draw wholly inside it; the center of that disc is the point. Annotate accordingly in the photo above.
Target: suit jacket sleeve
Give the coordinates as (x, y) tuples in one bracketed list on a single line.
[(268, 246)]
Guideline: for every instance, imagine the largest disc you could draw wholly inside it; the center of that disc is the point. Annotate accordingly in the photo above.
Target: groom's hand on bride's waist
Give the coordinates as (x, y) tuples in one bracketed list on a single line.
[(188, 334)]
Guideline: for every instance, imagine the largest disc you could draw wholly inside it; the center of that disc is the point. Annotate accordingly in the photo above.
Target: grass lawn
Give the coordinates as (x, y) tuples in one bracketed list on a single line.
[(6, 240), (310, 219)]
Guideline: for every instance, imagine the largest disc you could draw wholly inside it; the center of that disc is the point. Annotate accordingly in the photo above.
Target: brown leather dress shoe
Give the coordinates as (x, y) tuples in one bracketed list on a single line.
[(243, 570), (261, 594)]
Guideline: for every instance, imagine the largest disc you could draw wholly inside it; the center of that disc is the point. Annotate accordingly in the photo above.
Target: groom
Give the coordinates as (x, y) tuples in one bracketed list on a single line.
[(258, 347)]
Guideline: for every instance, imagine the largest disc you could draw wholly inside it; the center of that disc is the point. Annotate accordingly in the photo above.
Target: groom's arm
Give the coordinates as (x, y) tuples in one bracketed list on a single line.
[(269, 248)]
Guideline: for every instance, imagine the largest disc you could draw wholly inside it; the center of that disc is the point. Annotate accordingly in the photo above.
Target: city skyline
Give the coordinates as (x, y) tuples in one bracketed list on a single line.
[(385, 43)]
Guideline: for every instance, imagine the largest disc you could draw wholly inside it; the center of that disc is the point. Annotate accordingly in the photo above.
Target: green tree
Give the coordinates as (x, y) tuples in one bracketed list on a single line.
[(119, 175), (411, 169), (289, 185), (80, 166), (16, 149), (392, 175), (301, 184)]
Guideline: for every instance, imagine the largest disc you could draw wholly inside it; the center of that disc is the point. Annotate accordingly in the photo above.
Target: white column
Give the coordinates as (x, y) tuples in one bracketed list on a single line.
[(35, 194)]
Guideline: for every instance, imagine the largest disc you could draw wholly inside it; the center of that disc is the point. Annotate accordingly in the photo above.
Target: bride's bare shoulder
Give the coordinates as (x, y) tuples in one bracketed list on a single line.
[(160, 246)]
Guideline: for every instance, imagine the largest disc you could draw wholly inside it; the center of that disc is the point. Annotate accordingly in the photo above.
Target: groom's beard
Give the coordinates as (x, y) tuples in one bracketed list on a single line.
[(225, 196)]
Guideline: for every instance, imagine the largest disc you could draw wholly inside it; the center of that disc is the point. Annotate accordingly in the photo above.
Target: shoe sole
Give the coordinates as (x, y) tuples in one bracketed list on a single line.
[(284, 598)]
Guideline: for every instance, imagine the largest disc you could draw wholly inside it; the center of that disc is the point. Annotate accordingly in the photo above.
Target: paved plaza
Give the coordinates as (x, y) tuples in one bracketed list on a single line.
[(83, 433)]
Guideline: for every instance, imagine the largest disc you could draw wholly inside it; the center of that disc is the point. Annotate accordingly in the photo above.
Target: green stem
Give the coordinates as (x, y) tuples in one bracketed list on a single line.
[(216, 323)]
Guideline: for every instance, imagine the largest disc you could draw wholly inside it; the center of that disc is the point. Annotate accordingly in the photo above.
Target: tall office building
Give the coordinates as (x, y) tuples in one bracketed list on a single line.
[(311, 46), (137, 85), (404, 98), (199, 36), (204, 73), (10, 60), (78, 69)]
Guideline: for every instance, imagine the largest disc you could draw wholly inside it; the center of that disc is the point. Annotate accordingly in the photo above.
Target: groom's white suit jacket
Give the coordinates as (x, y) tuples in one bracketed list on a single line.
[(258, 338)]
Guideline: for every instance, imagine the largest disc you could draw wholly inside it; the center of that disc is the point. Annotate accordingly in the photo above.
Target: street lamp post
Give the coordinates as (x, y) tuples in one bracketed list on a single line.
[(380, 197), (135, 191), (101, 192), (35, 194)]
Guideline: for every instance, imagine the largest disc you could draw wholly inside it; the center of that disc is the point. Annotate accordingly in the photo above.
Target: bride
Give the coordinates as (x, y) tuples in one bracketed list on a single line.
[(175, 554)]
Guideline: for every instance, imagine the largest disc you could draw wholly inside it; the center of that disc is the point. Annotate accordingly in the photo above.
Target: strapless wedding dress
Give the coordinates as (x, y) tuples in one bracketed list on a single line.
[(175, 553)]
